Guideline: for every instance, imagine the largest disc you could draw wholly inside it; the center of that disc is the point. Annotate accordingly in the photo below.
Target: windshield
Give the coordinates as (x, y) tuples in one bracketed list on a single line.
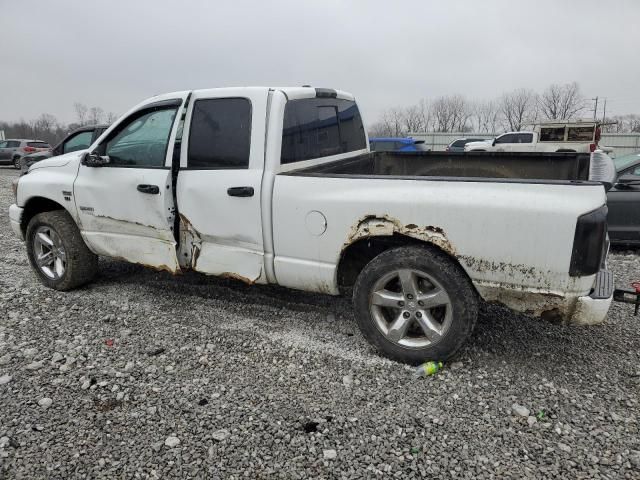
[(626, 161)]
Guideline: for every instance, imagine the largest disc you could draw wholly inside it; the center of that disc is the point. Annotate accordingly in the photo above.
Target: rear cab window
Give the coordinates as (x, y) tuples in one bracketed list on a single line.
[(320, 127)]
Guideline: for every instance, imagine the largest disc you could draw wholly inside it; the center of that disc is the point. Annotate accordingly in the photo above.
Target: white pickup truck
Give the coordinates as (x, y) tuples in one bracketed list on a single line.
[(551, 136), (277, 186)]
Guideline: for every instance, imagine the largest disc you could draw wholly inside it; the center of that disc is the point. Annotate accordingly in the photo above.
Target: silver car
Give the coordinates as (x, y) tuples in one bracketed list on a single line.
[(12, 150)]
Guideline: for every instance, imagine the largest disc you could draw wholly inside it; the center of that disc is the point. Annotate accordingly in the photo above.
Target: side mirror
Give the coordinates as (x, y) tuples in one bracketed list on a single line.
[(92, 159), (628, 181)]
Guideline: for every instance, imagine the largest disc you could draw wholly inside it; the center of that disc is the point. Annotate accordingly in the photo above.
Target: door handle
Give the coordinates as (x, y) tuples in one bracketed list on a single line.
[(240, 191), (151, 189)]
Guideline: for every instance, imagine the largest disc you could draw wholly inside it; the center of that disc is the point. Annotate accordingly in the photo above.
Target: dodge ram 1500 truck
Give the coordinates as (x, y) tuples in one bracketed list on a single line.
[(278, 186)]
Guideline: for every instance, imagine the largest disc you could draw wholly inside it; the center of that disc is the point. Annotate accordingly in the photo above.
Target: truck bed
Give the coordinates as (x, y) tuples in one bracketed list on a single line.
[(545, 167)]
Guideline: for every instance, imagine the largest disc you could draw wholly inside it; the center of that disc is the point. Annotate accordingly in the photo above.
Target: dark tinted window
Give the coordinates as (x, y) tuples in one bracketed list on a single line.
[(459, 143), (510, 138), (580, 134), (13, 144), (552, 134), (525, 138), (38, 145), (220, 134), (320, 127)]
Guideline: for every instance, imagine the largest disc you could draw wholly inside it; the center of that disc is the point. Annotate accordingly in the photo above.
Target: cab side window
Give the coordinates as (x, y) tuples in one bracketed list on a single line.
[(142, 140), (80, 141), (220, 134), (509, 138)]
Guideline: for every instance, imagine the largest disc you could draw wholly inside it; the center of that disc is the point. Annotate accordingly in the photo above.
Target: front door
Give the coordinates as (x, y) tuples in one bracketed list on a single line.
[(126, 207), (219, 184)]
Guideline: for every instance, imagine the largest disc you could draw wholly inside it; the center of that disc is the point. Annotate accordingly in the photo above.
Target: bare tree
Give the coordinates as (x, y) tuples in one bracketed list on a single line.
[(81, 113), (629, 123), (451, 114), (561, 102), (95, 115), (518, 108), (487, 116), (111, 117)]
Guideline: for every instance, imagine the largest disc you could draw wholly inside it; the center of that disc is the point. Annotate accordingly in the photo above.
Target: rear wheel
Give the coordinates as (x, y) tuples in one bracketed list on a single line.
[(57, 251), (415, 304)]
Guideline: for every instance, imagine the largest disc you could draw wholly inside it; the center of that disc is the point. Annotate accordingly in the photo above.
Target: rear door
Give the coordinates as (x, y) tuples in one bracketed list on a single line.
[(219, 183), (126, 208)]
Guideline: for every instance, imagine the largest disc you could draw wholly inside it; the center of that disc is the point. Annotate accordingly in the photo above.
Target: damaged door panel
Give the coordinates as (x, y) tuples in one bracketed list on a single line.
[(218, 189)]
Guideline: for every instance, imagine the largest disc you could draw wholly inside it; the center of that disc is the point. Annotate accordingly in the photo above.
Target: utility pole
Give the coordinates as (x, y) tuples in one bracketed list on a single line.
[(604, 111), (595, 108)]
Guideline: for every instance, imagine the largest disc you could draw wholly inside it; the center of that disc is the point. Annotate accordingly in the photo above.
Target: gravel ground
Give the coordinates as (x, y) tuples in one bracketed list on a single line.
[(143, 375)]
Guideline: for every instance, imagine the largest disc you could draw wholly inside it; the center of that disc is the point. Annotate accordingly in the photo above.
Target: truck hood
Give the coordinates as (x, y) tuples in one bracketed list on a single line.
[(59, 161)]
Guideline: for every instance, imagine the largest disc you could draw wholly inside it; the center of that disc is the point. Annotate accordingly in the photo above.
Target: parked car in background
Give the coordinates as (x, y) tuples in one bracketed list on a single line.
[(556, 136), (79, 139), (397, 144), (623, 201), (13, 149), (458, 144), (301, 202)]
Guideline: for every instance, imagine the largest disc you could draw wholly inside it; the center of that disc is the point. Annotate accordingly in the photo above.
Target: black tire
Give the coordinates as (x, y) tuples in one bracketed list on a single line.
[(16, 163), (81, 263), (452, 279)]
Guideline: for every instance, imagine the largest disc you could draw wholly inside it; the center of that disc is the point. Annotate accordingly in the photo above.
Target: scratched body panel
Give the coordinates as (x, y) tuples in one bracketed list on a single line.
[(514, 240)]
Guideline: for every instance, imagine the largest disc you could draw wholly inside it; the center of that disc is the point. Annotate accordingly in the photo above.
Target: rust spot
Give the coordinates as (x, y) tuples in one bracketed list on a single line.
[(235, 276), (376, 225)]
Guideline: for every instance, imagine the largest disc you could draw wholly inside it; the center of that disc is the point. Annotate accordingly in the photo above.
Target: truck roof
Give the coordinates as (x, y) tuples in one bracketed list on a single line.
[(292, 93)]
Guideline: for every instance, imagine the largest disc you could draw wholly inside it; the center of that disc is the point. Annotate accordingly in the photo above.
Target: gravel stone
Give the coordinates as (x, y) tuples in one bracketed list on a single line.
[(172, 442), (35, 365), (329, 454), (520, 410), (276, 359), (4, 379), (220, 435), (45, 402)]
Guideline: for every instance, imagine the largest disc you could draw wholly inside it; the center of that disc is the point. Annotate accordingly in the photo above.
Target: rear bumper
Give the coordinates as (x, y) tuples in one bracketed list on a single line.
[(592, 309), (15, 218)]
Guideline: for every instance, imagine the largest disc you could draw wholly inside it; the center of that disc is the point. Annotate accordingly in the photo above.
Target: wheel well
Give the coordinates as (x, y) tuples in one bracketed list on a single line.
[(356, 256), (35, 206)]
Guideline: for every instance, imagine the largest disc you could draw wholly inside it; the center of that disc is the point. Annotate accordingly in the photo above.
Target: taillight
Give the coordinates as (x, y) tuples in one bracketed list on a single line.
[(29, 149), (592, 147), (588, 241)]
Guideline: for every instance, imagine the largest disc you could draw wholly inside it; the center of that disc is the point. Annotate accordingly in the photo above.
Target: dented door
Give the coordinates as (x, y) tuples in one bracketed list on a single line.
[(219, 183), (125, 208)]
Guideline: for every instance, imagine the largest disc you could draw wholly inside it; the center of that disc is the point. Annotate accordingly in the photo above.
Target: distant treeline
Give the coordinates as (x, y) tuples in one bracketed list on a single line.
[(47, 127)]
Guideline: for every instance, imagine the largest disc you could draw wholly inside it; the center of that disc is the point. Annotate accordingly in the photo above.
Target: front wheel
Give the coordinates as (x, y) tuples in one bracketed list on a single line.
[(16, 163), (57, 251), (415, 304)]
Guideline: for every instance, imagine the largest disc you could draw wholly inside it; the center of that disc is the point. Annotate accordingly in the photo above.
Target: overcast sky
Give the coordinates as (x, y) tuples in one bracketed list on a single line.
[(388, 53)]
